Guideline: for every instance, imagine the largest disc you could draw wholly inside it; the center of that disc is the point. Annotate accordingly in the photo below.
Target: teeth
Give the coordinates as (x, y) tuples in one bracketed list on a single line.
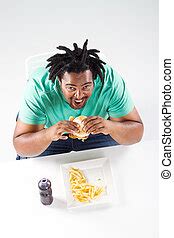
[(78, 100)]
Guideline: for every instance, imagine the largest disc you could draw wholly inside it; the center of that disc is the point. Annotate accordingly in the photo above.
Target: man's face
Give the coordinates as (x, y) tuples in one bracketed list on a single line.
[(77, 88)]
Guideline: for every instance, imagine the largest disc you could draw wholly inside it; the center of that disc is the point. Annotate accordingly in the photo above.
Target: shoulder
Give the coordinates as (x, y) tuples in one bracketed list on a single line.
[(111, 78), (39, 79), (110, 72)]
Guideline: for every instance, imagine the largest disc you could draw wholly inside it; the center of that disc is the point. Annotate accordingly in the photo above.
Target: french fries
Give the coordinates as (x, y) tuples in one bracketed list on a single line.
[(82, 191)]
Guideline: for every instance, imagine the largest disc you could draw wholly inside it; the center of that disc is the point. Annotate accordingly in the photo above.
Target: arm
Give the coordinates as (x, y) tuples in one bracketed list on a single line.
[(125, 130), (128, 129), (31, 140)]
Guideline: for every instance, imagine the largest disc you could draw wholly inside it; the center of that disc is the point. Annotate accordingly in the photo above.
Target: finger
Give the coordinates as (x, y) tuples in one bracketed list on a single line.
[(86, 120), (67, 131), (74, 125), (98, 130), (92, 122), (71, 124), (93, 125), (70, 127), (63, 137)]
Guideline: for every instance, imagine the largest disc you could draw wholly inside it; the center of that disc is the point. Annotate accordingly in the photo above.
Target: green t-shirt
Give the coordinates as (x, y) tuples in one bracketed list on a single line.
[(44, 102)]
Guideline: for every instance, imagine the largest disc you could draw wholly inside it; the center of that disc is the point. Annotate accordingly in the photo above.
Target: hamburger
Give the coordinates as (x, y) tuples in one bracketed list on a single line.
[(82, 135)]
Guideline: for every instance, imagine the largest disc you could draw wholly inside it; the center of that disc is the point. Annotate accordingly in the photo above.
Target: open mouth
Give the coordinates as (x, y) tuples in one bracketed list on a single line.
[(78, 103)]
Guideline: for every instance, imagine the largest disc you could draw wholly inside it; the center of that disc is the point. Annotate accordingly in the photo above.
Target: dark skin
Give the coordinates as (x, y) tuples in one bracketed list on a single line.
[(32, 140)]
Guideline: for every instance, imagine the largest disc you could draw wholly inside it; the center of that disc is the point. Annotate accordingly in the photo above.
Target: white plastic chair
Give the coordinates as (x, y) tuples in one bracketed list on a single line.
[(36, 61)]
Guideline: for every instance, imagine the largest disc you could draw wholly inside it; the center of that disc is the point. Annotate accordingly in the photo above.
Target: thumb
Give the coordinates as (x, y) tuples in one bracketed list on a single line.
[(63, 137)]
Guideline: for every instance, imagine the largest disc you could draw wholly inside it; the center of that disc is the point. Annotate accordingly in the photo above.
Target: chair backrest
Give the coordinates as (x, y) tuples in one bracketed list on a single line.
[(40, 60), (36, 61)]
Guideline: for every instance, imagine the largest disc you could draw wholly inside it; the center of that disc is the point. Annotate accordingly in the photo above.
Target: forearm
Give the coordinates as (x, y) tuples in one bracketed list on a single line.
[(32, 144), (126, 132)]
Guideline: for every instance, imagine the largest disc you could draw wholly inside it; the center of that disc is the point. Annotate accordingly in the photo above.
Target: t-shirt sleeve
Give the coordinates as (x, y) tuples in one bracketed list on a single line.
[(31, 108), (121, 102)]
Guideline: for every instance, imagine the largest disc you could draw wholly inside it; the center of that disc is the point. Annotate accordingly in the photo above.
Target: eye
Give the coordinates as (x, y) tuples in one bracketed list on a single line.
[(71, 89), (87, 87)]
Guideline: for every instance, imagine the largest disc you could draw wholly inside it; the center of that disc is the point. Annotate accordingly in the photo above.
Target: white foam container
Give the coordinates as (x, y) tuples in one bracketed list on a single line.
[(98, 173)]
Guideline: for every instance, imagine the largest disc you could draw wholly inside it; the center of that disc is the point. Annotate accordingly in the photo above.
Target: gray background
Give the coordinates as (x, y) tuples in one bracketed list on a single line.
[(125, 31)]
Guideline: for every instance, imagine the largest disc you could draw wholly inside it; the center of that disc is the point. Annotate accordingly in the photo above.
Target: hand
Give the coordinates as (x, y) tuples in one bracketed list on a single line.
[(56, 131), (96, 125)]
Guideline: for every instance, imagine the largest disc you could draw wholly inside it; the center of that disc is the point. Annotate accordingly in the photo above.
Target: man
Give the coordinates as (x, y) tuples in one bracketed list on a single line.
[(75, 83)]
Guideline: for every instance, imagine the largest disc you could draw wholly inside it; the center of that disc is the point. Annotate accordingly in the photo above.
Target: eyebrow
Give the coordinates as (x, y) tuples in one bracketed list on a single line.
[(69, 84)]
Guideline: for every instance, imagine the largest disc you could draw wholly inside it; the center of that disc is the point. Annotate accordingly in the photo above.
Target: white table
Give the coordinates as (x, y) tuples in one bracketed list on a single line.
[(135, 174)]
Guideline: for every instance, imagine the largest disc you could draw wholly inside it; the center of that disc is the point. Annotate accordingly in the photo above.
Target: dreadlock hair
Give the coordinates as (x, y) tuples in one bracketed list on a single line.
[(77, 60)]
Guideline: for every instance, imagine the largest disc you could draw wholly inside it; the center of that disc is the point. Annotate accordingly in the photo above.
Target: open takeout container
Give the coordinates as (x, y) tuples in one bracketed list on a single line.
[(98, 173)]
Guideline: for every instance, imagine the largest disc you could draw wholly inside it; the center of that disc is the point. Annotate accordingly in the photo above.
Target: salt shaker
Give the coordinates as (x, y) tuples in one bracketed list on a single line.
[(45, 191)]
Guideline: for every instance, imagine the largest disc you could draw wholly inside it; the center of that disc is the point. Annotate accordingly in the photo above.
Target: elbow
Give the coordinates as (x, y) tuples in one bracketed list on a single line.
[(17, 147), (140, 133), (15, 144), (25, 149), (136, 136)]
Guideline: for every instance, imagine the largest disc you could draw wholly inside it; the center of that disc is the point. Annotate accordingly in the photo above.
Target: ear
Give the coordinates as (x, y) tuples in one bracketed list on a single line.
[(60, 81)]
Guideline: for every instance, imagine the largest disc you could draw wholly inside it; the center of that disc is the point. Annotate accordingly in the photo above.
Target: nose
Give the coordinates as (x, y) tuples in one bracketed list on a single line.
[(79, 94)]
